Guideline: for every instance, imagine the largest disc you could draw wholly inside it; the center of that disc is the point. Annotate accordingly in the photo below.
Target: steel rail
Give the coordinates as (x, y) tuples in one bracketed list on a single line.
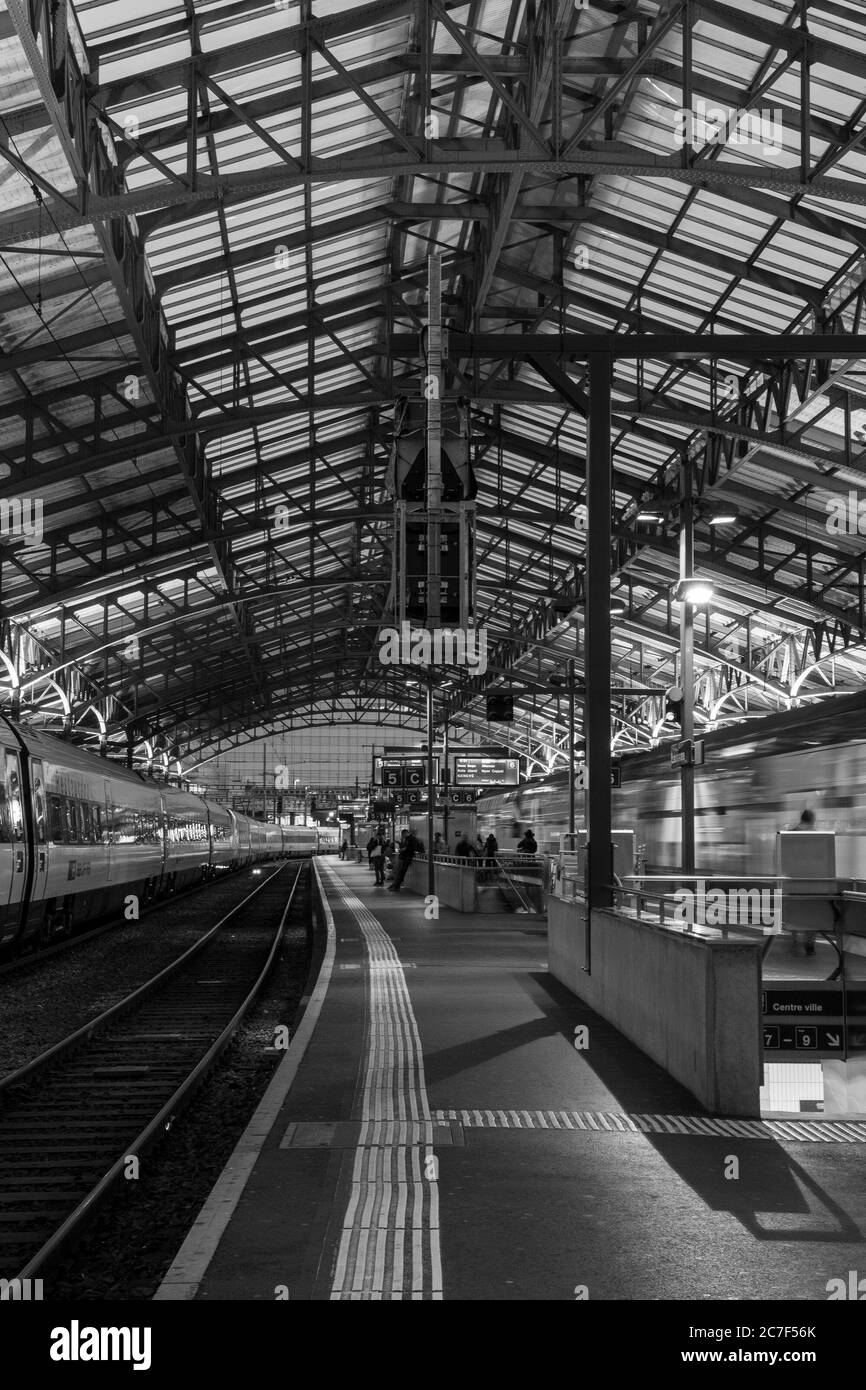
[(162, 1121)]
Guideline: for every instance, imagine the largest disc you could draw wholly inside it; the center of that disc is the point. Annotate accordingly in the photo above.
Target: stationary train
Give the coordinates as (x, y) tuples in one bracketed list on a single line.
[(80, 836), (299, 841), (758, 778)]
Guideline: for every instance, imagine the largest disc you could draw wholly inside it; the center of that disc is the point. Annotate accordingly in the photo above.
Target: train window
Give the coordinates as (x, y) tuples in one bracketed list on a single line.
[(13, 789), (124, 826), (56, 823), (4, 814), (96, 817), (86, 822)]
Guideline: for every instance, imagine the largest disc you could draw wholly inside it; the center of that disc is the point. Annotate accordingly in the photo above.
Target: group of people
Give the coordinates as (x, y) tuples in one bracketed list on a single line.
[(382, 851)]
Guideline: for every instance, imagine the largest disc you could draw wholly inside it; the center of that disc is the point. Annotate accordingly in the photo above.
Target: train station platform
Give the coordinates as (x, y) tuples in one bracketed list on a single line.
[(434, 1133)]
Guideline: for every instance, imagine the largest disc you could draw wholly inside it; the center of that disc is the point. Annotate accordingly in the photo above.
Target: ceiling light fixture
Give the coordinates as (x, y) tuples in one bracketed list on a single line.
[(694, 590)]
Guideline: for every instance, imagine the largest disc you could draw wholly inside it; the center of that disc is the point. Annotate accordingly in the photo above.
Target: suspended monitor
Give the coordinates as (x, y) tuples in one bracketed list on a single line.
[(407, 468)]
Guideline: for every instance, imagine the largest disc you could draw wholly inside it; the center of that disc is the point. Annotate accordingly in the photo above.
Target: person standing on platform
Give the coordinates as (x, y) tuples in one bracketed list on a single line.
[(377, 858), (806, 940), (439, 845), (465, 848), (528, 844), (344, 849), (491, 849), (409, 847)]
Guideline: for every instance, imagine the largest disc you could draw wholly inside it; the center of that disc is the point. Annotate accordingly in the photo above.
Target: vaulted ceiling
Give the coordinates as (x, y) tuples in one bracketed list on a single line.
[(214, 228)]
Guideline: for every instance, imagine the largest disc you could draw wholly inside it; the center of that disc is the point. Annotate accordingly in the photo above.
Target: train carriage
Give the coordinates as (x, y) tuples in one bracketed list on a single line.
[(79, 835), (187, 835), (300, 840), (222, 829)]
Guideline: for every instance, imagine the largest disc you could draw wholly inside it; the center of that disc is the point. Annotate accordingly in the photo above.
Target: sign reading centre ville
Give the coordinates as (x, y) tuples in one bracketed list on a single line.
[(815, 1017), (474, 770)]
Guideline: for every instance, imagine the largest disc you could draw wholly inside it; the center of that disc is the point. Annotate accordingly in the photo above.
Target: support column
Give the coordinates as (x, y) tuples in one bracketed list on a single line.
[(597, 645), (687, 667), (572, 765), (431, 788)]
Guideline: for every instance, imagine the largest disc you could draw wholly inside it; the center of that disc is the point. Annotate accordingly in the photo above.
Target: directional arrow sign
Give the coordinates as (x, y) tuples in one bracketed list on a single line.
[(822, 1039)]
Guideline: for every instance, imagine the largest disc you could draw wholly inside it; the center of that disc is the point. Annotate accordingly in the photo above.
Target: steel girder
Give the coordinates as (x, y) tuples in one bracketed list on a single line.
[(45, 39)]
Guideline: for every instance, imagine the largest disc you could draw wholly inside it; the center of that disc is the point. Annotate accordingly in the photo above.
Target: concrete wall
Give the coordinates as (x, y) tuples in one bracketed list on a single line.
[(690, 1004), (455, 886)]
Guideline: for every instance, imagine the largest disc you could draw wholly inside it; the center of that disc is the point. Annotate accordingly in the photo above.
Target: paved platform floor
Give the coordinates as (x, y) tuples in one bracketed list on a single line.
[(444, 1138)]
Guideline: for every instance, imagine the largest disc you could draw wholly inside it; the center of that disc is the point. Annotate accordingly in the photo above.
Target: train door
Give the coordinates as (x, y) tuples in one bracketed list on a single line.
[(14, 844), (40, 832)]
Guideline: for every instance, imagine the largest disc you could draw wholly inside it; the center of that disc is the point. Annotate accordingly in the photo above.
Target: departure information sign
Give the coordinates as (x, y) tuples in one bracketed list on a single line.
[(474, 770), (396, 773)]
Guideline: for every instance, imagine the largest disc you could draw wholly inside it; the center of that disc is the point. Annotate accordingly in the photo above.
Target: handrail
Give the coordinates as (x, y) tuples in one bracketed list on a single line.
[(527, 907)]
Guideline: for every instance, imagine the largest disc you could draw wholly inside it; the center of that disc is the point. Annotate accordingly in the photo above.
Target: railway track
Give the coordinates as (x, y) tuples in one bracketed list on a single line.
[(34, 958), (78, 1119)]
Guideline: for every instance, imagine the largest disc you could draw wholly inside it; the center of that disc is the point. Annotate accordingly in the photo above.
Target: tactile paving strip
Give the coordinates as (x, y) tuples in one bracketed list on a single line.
[(815, 1132)]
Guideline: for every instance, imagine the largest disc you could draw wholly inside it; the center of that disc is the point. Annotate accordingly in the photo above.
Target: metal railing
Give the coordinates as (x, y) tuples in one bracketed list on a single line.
[(503, 870), (744, 909)]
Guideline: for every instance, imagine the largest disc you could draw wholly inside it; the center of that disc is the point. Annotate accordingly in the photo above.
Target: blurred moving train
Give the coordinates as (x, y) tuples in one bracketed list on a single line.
[(758, 777), (79, 835)]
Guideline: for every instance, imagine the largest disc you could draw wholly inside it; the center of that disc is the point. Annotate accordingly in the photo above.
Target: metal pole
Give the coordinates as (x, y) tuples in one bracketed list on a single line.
[(433, 392), (431, 788), (597, 642), (571, 762), (687, 668), (446, 780)]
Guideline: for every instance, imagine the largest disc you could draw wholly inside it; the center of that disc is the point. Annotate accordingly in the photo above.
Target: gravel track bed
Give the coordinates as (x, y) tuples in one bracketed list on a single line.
[(125, 1252), (42, 1007)]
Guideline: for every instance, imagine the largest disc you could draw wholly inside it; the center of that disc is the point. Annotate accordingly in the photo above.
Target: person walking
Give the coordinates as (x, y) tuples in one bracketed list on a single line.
[(528, 844), (344, 849)]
